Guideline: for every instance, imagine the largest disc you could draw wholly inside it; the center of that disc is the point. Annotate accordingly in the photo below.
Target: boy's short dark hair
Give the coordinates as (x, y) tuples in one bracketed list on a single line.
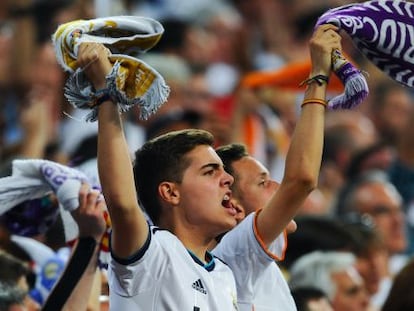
[(164, 159), (231, 153)]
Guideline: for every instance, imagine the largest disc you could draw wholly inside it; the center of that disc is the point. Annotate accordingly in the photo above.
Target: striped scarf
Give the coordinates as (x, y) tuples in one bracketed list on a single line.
[(383, 30), (131, 81)]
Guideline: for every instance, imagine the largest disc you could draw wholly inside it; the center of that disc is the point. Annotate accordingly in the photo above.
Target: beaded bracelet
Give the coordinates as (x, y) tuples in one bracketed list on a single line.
[(320, 79), (314, 101)]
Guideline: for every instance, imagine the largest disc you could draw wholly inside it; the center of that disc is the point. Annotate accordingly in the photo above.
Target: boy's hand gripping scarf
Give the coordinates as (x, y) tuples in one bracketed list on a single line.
[(347, 79), (32, 179), (383, 30), (131, 81)]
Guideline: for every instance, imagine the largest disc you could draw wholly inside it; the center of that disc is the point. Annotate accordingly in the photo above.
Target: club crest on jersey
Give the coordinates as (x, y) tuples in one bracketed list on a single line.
[(198, 285)]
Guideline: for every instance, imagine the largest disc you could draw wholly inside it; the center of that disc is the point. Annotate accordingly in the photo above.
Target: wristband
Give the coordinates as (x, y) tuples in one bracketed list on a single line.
[(87, 243), (100, 96)]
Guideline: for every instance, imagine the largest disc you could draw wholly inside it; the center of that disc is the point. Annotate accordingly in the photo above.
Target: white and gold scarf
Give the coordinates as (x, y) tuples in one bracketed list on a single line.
[(131, 81)]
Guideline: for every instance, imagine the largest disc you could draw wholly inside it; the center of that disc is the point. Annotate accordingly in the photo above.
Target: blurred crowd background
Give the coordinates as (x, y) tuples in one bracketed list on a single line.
[(365, 200)]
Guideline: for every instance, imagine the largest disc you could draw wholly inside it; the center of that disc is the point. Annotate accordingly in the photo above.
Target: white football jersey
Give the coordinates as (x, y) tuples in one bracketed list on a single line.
[(261, 285), (163, 275)]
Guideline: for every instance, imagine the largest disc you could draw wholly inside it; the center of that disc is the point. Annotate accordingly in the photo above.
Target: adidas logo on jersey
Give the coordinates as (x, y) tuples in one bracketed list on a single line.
[(197, 285)]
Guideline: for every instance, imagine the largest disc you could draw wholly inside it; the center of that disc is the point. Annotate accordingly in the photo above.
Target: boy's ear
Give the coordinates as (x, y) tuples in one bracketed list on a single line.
[(169, 192)]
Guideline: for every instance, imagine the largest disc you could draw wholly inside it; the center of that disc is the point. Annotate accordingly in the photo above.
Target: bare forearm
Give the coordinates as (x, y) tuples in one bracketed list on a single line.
[(301, 168), (118, 185), (129, 227), (305, 152), (114, 162)]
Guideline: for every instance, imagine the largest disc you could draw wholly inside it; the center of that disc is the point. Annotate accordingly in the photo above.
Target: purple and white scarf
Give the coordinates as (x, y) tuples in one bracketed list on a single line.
[(383, 30)]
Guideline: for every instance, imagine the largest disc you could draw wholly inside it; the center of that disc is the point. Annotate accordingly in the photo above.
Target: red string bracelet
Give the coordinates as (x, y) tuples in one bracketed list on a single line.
[(314, 101)]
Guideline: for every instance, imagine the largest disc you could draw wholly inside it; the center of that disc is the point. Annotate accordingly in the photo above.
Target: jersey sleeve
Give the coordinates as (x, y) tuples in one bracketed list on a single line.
[(277, 249), (138, 273), (245, 240)]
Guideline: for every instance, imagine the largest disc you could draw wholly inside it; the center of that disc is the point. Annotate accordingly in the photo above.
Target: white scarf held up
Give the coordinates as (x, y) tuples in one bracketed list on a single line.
[(131, 81)]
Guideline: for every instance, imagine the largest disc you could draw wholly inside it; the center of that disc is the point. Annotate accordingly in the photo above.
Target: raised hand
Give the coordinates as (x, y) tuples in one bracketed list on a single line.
[(93, 59), (89, 215)]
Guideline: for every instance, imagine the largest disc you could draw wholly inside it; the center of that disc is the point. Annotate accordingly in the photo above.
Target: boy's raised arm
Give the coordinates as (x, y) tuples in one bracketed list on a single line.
[(129, 226), (305, 152)]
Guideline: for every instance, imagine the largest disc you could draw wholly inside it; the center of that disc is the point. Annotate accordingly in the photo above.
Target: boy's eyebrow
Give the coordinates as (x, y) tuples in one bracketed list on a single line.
[(211, 165), (262, 174)]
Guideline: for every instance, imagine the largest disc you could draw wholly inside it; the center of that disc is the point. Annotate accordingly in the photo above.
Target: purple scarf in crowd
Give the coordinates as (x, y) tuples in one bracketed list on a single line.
[(383, 30)]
